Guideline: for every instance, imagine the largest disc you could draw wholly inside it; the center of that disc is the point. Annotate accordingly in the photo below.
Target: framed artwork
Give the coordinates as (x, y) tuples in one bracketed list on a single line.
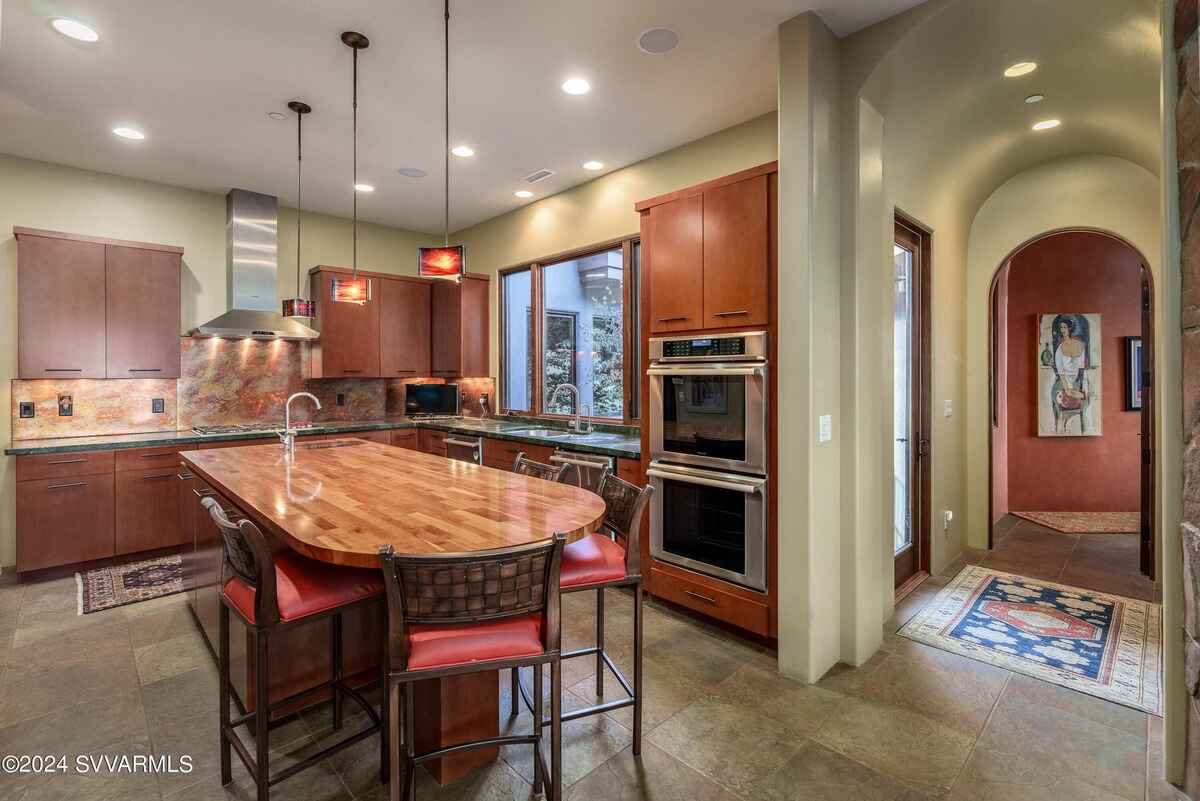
[(1133, 374), (1069, 387)]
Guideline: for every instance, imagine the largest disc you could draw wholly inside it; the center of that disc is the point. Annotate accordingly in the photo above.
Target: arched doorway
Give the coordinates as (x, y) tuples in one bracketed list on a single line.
[(1071, 479)]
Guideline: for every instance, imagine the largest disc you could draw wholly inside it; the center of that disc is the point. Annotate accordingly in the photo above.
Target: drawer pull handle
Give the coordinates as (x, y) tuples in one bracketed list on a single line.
[(404, 370), (64, 369), (152, 478), (156, 455), (203, 493), (72, 484), (672, 319), (67, 461), (185, 476), (706, 598), (145, 369), (351, 371), (738, 313)]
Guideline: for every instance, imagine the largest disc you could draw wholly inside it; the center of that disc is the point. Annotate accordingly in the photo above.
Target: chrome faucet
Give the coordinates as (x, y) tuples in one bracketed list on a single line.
[(288, 435), (576, 426)]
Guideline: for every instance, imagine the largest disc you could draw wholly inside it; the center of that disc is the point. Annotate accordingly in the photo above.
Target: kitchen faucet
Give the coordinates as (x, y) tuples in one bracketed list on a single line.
[(288, 435), (576, 426)]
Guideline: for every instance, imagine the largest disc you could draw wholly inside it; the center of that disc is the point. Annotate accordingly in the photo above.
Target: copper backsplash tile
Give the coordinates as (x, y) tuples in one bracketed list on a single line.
[(100, 407)]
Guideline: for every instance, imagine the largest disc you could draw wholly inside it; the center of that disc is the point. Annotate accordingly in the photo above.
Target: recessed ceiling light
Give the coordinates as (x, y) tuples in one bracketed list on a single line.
[(1046, 125), (363, 188), (75, 30), (463, 151), (129, 133), (1019, 69), (412, 172), (277, 115), (1035, 99), (593, 165), (657, 41), (523, 193), (576, 86)]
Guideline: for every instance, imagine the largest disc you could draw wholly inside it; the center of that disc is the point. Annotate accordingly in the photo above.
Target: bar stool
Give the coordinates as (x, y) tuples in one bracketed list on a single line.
[(528, 467), (467, 613), (596, 562), (270, 593)]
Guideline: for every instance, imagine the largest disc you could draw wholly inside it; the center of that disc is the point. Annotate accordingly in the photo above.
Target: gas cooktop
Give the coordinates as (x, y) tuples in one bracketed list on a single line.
[(241, 428)]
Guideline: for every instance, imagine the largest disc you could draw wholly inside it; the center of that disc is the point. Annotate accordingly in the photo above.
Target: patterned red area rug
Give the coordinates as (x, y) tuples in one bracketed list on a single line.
[(1087, 522), (109, 587)]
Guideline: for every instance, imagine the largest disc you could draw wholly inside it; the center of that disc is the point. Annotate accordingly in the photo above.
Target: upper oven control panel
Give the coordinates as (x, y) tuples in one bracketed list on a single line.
[(747, 346)]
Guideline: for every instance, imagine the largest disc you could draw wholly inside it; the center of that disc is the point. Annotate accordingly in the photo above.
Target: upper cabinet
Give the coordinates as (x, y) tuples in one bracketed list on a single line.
[(349, 343), (96, 308), (404, 333), (707, 253), (460, 327)]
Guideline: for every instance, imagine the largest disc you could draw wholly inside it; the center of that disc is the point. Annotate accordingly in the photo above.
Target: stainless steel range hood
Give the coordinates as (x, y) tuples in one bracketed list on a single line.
[(252, 260)]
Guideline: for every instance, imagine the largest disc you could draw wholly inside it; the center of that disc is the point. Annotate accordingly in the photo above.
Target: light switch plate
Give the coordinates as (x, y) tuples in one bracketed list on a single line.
[(340, 400), (948, 410), (825, 428), (27, 408), (158, 405)]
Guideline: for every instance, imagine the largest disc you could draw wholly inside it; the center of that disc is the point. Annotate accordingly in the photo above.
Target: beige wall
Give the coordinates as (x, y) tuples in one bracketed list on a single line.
[(41, 195), (602, 210), (1089, 191)]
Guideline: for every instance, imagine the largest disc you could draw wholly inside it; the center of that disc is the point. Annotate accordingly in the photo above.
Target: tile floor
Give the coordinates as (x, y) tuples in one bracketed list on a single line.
[(721, 725)]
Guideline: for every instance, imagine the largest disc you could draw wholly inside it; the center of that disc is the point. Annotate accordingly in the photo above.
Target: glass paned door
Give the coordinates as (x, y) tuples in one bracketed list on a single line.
[(902, 535)]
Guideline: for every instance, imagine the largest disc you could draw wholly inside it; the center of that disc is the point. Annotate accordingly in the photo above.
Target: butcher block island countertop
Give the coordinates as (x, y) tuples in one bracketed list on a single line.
[(340, 500)]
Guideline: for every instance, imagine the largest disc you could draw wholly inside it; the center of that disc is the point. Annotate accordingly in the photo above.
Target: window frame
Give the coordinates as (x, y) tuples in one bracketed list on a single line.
[(630, 330)]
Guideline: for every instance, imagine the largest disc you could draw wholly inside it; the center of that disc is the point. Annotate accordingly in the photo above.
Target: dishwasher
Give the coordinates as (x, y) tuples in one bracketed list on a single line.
[(584, 469), (464, 449)]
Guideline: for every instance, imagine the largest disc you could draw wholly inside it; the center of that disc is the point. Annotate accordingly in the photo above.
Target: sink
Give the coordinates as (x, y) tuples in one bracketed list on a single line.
[(541, 433)]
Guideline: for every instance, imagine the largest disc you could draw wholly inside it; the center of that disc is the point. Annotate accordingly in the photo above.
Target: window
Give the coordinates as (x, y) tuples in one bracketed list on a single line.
[(569, 322)]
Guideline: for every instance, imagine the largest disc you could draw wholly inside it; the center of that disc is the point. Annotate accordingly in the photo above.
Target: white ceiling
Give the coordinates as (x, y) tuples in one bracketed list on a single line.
[(200, 77)]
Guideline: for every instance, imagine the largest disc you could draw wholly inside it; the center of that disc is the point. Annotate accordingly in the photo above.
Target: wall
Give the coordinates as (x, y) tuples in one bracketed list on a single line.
[(602, 210), (41, 195), (1079, 273)]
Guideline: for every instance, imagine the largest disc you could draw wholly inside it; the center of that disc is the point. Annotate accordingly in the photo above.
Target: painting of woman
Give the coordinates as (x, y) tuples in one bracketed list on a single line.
[(1069, 403)]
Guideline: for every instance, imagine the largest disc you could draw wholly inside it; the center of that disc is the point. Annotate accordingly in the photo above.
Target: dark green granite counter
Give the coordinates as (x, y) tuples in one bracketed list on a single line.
[(611, 441)]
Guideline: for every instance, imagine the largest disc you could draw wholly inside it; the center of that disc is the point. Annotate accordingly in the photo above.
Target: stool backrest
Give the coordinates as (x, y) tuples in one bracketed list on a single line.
[(528, 467), (624, 508), (248, 557), (468, 588)]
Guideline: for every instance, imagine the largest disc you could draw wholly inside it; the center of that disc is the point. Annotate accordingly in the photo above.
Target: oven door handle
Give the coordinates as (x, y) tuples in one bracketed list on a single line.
[(705, 371), (748, 489)]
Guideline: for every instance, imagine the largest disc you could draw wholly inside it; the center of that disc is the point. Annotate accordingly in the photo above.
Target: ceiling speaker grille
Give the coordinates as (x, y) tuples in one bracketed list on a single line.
[(540, 175)]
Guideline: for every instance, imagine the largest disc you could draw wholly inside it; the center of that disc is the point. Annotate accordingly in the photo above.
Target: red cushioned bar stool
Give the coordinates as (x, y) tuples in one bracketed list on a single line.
[(469, 613), (271, 592), (599, 561)]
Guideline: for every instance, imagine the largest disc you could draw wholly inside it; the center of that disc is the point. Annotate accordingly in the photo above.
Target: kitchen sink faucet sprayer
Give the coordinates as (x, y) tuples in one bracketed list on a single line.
[(576, 426), (288, 435)]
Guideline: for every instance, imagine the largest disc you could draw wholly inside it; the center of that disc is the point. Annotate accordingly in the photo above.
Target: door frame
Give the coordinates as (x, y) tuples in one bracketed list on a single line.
[(1149, 479), (921, 402)]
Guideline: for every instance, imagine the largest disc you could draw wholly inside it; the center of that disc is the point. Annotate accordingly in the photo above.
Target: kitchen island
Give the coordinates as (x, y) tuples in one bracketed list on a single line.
[(338, 501)]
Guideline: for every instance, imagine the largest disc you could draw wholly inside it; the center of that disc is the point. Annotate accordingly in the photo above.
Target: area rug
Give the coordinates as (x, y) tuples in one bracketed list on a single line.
[(108, 587), (1103, 645), (1087, 522)]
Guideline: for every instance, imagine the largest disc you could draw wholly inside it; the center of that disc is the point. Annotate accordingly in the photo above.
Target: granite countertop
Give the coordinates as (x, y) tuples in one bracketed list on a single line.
[(612, 441)]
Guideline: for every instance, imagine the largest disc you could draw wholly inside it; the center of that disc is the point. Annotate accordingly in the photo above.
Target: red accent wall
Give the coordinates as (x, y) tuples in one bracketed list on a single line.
[(1082, 273)]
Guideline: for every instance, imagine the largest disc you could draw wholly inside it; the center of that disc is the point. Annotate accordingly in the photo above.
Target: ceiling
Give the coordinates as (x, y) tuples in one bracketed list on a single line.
[(200, 78)]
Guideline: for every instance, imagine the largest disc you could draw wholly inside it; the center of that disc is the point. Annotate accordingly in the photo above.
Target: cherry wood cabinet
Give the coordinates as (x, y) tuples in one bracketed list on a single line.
[(142, 310), (349, 343), (60, 307), (406, 438), (736, 254), (404, 327), (64, 520), (432, 441), (382, 437), (502, 454), (673, 258), (147, 509), (460, 327)]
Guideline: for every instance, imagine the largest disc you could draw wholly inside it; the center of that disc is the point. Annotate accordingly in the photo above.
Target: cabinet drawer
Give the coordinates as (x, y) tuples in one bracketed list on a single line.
[(60, 465), (433, 441), (382, 437), (701, 597), (148, 509), (406, 438), (165, 456), (631, 470), (61, 521), (502, 453)]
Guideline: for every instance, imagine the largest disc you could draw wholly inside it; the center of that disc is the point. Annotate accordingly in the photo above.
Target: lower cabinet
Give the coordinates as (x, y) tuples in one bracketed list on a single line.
[(406, 438), (432, 441), (147, 510), (501, 454), (382, 437), (64, 520)]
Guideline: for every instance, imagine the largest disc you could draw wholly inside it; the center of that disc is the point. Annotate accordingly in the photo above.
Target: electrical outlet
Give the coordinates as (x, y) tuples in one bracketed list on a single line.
[(27, 408), (158, 405), (340, 400), (66, 406)]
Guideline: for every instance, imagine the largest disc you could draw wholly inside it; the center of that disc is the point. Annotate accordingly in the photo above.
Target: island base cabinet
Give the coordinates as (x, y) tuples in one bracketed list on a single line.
[(64, 520), (457, 708)]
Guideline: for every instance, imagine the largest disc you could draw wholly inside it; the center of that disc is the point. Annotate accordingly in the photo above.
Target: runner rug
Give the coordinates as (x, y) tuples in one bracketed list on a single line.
[(108, 587), (1087, 522), (1103, 645)]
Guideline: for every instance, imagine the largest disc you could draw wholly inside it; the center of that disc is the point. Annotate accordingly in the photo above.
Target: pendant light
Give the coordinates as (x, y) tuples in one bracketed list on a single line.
[(298, 305), (448, 261), (353, 289)]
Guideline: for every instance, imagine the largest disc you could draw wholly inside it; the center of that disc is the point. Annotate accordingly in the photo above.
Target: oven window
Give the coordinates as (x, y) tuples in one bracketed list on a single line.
[(705, 524), (705, 416)]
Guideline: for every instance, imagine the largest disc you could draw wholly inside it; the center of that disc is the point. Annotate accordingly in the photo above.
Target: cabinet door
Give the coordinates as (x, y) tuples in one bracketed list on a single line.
[(147, 510), (60, 314), (404, 334), (736, 254), (142, 301), (61, 521), (476, 356), (674, 261), (447, 329), (349, 343), (406, 438)]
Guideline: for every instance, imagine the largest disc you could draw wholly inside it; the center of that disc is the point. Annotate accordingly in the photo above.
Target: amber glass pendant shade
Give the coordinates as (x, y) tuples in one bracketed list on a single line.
[(350, 290), (444, 262), (299, 307)]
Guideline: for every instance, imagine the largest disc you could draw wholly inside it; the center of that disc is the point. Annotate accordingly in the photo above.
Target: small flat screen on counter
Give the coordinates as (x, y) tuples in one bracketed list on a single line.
[(712, 346), (431, 398)]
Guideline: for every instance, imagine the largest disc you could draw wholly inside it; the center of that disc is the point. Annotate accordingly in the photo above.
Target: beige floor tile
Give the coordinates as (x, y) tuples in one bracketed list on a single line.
[(815, 773), (654, 776), (78, 729), (167, 658)]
